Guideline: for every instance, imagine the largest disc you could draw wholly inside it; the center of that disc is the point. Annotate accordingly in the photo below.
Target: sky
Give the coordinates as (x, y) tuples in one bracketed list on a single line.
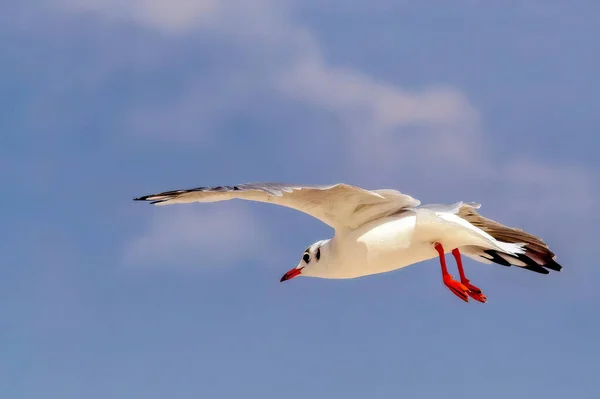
[(105, 100)]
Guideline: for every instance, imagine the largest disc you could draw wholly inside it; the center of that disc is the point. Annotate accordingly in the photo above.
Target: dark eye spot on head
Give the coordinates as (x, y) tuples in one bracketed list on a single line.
[(318, 254), (306, 258)]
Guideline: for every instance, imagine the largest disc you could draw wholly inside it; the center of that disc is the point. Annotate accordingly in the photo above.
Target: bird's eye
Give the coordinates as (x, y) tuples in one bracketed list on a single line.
[(306, 258)]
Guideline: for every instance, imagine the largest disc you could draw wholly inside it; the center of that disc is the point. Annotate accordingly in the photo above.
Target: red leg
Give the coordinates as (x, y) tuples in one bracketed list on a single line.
[(460, 290), (474, 292)]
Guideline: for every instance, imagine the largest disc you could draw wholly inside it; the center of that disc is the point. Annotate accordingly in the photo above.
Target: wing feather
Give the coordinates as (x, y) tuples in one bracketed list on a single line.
[(338, 205), (535, 255)]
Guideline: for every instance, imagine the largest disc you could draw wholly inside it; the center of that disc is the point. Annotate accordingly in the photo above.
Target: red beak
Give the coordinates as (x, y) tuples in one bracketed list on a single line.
[(291, 274)]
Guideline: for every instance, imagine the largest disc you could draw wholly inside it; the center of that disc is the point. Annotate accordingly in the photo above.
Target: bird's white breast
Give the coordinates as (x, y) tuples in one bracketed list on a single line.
[(381, 246)]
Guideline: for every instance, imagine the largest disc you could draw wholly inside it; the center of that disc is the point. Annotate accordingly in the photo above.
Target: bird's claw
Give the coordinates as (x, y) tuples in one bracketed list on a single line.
[(457, 288), (474, 292)]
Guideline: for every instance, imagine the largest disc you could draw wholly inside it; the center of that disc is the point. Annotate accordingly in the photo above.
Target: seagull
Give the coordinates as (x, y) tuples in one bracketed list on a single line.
[(378, 231)]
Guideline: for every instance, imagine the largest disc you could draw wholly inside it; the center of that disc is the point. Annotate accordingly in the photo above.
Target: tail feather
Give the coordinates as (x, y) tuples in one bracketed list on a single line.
[(535, 256)]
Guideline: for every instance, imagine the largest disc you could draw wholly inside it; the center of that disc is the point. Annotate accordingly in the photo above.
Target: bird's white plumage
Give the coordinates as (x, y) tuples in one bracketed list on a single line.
[(381, 230)]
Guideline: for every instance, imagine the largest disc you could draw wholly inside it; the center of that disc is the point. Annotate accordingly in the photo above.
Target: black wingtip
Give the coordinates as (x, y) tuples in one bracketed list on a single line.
[(146, 198), (530, 264), (553, 265), (497, 258)]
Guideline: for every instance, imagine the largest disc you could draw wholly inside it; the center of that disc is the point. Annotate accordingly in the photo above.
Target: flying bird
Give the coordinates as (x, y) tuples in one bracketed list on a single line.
[(377, 231)]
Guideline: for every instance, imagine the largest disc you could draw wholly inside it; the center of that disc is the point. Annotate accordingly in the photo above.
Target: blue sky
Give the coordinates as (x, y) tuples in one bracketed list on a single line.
[(493, 102)]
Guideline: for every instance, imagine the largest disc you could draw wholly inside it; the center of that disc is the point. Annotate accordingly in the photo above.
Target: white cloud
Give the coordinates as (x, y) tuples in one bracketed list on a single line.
[(286, 59), (376, 114), (173, 17), (180, 17), (183, 237)]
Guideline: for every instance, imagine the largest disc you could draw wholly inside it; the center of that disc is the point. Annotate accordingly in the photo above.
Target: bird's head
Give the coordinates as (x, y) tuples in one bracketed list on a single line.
[(313, 261)]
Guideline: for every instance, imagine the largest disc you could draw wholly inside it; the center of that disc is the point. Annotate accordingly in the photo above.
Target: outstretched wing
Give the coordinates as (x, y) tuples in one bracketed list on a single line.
[(339, 205)]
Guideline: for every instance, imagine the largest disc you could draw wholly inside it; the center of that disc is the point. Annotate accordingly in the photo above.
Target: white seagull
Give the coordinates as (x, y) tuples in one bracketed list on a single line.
[(377, 231)]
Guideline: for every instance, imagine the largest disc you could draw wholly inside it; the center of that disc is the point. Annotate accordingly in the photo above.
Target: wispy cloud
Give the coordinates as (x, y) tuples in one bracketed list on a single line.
[(184, 237), (284, 58), (180, 17)]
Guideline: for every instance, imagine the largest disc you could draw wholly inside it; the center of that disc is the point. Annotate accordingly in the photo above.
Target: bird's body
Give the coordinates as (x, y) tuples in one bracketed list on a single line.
[(383, 230), (382, 246), (394, 242), (377, 247)]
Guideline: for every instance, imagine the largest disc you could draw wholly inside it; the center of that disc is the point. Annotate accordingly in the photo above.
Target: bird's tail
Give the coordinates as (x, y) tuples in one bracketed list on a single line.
[(533, 255)]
